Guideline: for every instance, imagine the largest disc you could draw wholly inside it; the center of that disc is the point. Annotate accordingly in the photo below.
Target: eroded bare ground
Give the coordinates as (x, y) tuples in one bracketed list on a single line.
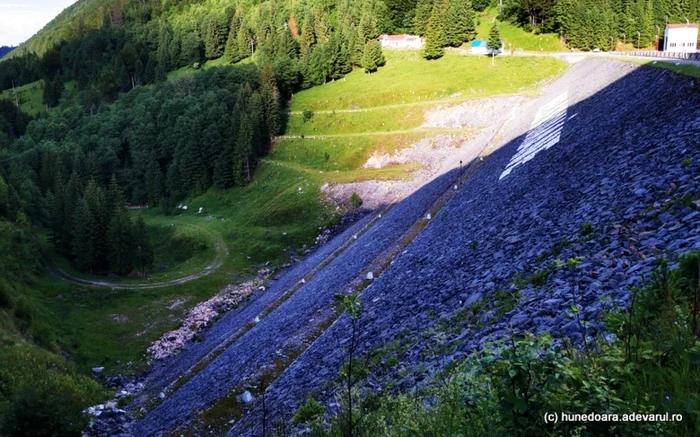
[(484, 120)]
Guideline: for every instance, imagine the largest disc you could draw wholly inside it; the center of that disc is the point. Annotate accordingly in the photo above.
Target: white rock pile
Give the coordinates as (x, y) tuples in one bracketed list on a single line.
[(204, 314)]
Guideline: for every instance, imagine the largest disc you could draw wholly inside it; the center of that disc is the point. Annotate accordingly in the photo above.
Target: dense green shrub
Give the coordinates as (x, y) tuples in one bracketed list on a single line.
[(43, 392), (24, 316), (49, 409), (5, 295), (309, 412)]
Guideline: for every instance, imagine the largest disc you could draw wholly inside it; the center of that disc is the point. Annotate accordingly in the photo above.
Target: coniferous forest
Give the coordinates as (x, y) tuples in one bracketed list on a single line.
[(126, 128)]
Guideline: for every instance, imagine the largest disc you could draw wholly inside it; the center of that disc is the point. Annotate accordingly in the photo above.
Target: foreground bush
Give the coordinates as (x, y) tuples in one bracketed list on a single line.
[(42, 393)]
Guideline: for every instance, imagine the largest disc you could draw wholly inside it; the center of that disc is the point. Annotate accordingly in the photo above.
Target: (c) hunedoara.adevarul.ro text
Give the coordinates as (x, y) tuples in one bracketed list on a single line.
[(606, 417)]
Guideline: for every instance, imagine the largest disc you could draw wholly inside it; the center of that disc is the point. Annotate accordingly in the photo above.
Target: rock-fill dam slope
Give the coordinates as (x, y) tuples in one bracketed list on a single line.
[(605, 165), (609, 144)]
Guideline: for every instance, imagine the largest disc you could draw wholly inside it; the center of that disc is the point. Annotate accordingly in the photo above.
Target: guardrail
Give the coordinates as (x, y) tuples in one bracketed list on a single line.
[(666, 55)]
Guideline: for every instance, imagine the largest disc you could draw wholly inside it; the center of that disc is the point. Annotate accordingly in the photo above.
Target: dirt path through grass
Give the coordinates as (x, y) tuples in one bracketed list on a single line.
[(221, 253)]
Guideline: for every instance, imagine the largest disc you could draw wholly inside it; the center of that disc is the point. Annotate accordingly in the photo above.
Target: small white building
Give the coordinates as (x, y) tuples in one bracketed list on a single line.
[(479, 47), (482, 48), (681, 38), (400, 41)]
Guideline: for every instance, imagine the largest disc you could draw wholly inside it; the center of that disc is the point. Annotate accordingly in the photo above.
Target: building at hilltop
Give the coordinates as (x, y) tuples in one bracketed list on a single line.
[(400, 41), (682, 38)]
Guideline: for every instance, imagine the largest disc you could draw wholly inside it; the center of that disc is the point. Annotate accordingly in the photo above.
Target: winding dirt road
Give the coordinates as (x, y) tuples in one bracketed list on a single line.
[(221, 253)]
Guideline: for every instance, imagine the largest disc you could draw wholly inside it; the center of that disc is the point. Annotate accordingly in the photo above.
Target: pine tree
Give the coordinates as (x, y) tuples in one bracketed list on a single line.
[(212, 40), (270, 100), (319, 65), (232, 50), (154, 180), (494, 42), (340, 58), (243, 151), (223, 168), (423, 9), (115, 196), (84, 244), (142, 250), (119, 238), (70, 199), (89, 230), (48, 96), (435, 33), (165, 39), (357, 46), (372, 57), (244, 41), (308, 34), (368, 62), (459, 23), (286, 45)]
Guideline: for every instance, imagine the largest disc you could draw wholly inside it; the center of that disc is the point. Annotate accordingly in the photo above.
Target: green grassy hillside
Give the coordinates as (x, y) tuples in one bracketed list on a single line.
[(515, 36), (29, 97), (83, 14)]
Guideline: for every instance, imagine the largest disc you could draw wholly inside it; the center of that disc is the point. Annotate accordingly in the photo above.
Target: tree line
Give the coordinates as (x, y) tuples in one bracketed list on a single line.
[(154, 145), (139, 43), (126, 44), (587, 24)]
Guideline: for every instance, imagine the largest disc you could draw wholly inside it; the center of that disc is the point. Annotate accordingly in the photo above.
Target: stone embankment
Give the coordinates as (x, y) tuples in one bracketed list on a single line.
[(604, 166)]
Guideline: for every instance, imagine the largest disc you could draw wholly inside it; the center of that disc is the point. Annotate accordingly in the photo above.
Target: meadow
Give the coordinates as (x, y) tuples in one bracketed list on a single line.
[(515, 36), (408, 79), (29, 97)]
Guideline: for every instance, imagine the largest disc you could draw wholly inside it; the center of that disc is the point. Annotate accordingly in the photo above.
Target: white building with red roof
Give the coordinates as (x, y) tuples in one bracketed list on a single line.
[(681, 38), (400, 41)]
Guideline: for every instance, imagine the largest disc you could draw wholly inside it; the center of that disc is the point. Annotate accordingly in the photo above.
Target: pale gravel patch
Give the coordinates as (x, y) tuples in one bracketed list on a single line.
[(436, 155)]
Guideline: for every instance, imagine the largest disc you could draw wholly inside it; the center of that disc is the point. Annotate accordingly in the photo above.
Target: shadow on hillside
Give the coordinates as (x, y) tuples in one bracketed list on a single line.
[(561, 155)]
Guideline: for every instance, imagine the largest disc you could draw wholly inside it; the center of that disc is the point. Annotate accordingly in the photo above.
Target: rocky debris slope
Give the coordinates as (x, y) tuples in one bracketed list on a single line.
[(437, 154), (284, 329), (620, 188), (475, 113), (205, 313), (167, 371)]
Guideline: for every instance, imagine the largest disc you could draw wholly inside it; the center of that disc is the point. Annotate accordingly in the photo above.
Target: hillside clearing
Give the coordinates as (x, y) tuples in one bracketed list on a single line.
[(408, 78), (515, 36)]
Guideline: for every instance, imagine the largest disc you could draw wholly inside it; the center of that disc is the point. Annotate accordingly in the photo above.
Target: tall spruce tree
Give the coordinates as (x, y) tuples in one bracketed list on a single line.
[(243, 152), (423, 9), (373, 58), (155, 180), (84, 242), (143, 252), (435, 39), (232, 50), (89, 244), (270, 101), (459, 26), (119, 242), (215, 39), (494, 42)]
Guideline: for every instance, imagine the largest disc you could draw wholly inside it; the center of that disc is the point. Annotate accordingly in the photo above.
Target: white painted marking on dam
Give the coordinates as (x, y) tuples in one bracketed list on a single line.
[(543, 134)]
